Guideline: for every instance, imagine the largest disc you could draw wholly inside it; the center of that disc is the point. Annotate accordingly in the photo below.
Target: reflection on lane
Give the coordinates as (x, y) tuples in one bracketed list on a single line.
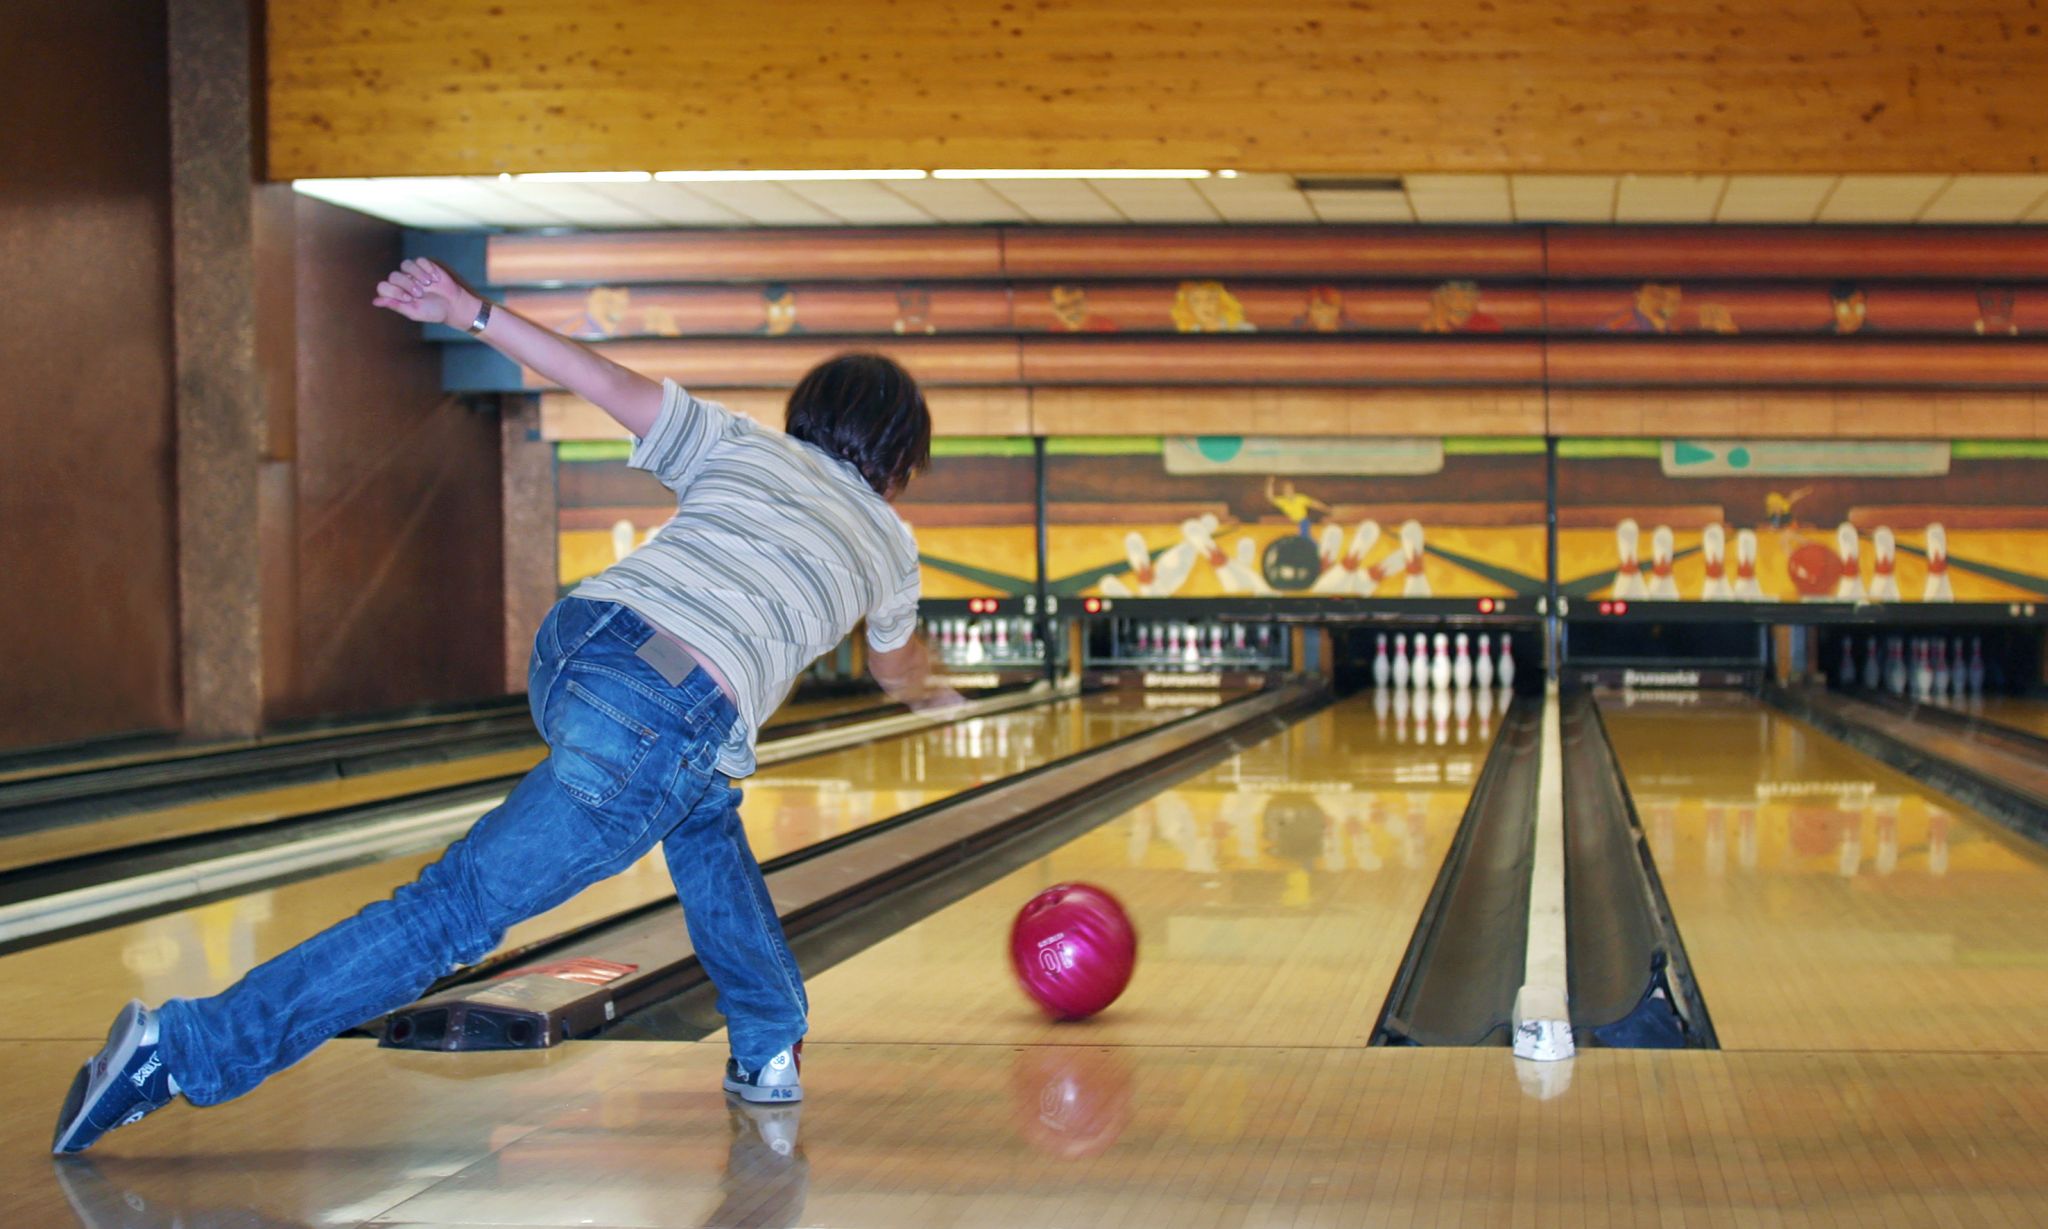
[(67, 988), (2028, 715), (1274, 896), (1826, 901)]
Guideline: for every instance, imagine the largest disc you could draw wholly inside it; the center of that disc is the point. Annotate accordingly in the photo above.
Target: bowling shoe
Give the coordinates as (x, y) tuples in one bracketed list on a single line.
[(780, 1080), (124, 1081)]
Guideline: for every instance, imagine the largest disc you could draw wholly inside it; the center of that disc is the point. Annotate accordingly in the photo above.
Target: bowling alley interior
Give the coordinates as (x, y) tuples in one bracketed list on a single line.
[(1482, 605)]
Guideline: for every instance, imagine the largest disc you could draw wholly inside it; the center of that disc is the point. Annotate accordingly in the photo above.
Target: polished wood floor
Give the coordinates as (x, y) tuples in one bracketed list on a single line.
[(1228, 1088), (1829, 902), (2028, 715), (69, 988)]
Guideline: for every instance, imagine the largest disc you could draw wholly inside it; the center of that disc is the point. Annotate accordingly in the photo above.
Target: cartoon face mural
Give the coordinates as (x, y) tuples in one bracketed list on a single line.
[(914, 311), (1994, 312), (1324, 311), (1454, 308), (1071, 313), (1208, 307), (1851, 308), (778, 306)]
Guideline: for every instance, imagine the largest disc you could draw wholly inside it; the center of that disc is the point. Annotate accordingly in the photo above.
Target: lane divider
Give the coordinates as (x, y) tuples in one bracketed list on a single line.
[(1543, 1022), (391, 837)]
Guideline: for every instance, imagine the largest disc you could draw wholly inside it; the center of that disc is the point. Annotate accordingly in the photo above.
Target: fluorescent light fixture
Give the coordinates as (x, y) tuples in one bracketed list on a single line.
[(771, 176), (580, 177), (1226, 174), (1104, 173)]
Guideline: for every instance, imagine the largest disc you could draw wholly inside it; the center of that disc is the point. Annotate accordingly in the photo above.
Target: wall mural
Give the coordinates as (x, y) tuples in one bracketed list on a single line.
[(1217, 516), (1840, 308), (1802, 521)]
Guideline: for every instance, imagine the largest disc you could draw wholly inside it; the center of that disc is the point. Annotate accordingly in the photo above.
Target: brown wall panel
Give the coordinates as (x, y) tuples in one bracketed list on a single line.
[(1240, 360), (743, 255), (1499, 252), (782, 361), (2002, 254), (725, 311), (363, 87), (399, 548), (87, 519), (1798, 414), (1286, 411), (1725, 362)]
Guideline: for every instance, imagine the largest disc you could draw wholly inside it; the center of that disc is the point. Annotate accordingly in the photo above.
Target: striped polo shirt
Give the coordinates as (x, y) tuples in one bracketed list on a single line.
[(776, 550)]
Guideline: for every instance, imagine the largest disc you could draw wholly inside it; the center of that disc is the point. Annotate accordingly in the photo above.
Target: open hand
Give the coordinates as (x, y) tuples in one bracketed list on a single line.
[(422, 290)]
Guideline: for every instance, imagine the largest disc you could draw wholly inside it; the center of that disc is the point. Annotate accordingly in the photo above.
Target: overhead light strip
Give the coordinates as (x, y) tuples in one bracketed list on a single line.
[(1099, 173)]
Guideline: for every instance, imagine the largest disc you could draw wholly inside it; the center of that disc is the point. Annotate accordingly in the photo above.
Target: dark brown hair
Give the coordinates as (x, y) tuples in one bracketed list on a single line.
[(865, 410)]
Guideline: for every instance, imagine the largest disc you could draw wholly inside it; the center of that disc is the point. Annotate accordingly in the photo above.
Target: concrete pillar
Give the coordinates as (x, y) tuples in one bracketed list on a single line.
[(220, 411)]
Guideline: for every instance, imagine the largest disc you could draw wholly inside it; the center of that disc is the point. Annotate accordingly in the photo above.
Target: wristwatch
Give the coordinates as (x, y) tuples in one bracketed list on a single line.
[(483, 317)]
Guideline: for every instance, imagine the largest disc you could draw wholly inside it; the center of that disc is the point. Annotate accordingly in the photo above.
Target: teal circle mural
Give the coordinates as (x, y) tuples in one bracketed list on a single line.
[(1219, 448)]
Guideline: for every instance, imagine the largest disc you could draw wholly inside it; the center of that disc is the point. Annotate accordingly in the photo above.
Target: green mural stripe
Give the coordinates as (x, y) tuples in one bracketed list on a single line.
[(593, 450), (2036, 585), (1519, 583), (1492, 446), (981, 446), (1007, 585), (1104, 445), (1598, 449), (1999, 450)]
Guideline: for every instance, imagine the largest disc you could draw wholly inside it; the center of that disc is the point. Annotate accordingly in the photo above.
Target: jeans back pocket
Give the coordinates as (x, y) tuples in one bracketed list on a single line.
[(597, 744)]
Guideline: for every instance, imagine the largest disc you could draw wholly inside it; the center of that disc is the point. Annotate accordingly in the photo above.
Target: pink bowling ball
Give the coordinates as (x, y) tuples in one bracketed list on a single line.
[(1073, 947)]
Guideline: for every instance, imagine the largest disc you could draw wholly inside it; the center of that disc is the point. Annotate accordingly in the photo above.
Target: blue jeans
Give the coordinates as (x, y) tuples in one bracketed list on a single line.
[(632, 761)]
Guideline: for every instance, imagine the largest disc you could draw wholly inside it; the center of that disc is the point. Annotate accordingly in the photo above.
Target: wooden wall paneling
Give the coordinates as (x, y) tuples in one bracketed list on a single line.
[(1313, 85), (87, 503), (781, 362), (774, 309), (1796, 309), (627, 257), (1329, 306), (2014, 253), (955, 412), (529, 531), (1221, 359), (1311, 252), (1798, 413), (1648, 362), (1286, 411)]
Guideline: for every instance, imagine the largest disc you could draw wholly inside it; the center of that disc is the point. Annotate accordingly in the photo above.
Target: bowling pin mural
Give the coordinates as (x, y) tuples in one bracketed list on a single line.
[(1713, 552), (1938, 588), (1329, 547), (1347, 573), (1628, 574), (1746, 587), (1417, 584), (622, 540), (1161, 577), (1662, 551), (1884, 581), (1245, 568), (1850, 551)]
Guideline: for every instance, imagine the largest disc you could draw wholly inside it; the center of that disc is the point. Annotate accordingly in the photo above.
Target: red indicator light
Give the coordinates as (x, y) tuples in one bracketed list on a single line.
[(1607, 608), (1486, 605), (1092, 605), (1621, 608)]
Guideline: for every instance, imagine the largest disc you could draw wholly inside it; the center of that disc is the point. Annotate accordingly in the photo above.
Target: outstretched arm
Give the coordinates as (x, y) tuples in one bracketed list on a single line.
[(904, 674), (424, 291)]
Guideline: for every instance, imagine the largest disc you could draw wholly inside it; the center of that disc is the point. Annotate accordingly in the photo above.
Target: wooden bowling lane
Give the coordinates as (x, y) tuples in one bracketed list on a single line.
[(259, 806), (609, 1136), (70, 988), (1828, 902), (2028, 715), (1274, 897)]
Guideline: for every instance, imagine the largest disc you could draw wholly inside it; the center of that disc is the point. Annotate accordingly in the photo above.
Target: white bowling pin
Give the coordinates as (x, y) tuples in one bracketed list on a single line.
[(1663, 586), (1245, 567), (1923, 671), (1938, 588), (622, 540), (1746, 587), (1329, 546), (1461, 665), (1895, 667), (1884, 580), (1507, 664), (1873, 672), (1940, 669), (1482, 670), (1714, 552), (1347, 573), (1400, 660), (1628, 574), (1382, 669), (1195, 532), (1440, 665), (1850, 549), (1418, 666), (1417, 584)]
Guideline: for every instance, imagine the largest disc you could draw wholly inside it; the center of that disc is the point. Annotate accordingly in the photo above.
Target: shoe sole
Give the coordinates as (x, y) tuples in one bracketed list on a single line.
[(83, 1092), (764, 1096)]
